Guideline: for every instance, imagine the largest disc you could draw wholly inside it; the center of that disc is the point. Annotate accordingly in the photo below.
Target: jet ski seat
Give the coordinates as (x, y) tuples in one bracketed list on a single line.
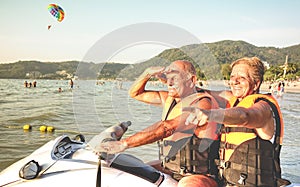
[(137, 167)]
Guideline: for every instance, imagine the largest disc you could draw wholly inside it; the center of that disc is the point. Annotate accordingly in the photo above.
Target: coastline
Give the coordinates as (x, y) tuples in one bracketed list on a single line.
[(291, 88)]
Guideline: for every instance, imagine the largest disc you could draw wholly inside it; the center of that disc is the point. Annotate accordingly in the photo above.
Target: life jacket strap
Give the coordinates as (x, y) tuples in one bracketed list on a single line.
[(237, 129)]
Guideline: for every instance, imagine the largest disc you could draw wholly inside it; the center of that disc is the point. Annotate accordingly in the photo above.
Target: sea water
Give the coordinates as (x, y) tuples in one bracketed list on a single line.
[(91, 106)]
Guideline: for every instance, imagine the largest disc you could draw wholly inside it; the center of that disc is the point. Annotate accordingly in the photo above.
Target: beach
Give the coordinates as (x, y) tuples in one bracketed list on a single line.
[(289, 88)]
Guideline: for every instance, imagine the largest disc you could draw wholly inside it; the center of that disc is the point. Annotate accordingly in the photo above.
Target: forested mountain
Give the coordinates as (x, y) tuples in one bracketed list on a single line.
[(208, 59), (59, 70)]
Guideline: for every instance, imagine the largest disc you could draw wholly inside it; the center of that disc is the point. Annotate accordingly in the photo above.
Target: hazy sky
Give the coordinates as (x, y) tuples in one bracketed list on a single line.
[(24, 34)]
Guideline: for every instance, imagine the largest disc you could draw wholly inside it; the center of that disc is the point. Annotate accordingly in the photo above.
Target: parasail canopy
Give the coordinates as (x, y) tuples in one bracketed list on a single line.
[(56, 11)]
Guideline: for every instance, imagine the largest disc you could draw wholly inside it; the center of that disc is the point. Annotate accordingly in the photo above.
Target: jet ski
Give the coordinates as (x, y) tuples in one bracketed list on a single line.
[(67, 161)]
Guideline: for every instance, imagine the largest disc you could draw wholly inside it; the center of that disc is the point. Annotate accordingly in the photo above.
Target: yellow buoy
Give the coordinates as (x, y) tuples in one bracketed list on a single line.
[(43, 128), (50, 129), (27, 127)]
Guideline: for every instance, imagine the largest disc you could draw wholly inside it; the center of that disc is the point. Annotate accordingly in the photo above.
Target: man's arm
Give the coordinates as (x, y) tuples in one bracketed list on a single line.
[(155, 132), (138, 92), (163, 129)]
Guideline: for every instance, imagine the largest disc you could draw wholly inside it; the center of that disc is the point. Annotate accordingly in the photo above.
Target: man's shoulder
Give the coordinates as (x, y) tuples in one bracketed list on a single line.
[(197, 97)]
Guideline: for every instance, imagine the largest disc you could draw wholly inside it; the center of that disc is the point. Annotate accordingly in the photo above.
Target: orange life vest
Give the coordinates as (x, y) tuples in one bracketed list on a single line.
[(245, 158), (197, 154)]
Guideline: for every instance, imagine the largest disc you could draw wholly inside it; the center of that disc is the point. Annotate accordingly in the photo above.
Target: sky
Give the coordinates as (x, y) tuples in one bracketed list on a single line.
[(24, 34)]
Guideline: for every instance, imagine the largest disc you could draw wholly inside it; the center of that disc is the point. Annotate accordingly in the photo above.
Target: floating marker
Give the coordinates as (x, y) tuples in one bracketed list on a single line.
[(27, 127), (43, 128), (50, 129)]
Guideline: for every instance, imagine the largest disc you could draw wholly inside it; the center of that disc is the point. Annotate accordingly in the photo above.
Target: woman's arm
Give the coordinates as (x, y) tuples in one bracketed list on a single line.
[(258, 117)]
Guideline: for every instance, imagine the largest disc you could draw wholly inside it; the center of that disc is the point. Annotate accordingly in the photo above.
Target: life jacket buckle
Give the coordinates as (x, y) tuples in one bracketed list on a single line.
[(222, 153), (224, 165), (226, 130), (167, 159), (219, 129), (182, 170), (242, 179)]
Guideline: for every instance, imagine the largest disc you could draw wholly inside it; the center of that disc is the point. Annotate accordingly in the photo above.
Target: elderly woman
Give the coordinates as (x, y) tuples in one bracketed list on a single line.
[(252, 134)]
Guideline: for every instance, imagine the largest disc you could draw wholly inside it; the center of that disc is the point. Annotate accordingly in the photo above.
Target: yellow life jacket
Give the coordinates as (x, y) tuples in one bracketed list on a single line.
[(245, 158), (197, 154)]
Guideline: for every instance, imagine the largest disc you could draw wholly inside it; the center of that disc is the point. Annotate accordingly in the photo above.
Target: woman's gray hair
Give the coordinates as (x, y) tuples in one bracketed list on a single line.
[(257, 68)]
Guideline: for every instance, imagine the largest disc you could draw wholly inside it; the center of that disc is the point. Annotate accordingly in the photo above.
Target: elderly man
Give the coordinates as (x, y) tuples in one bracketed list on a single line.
[(188, 153)]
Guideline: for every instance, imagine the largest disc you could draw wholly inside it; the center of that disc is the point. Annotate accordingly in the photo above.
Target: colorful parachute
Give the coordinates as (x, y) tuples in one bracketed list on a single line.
[(56, 11)]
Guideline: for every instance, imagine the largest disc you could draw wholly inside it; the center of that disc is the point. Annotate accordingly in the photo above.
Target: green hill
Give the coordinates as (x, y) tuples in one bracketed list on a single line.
[(209, 59)]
